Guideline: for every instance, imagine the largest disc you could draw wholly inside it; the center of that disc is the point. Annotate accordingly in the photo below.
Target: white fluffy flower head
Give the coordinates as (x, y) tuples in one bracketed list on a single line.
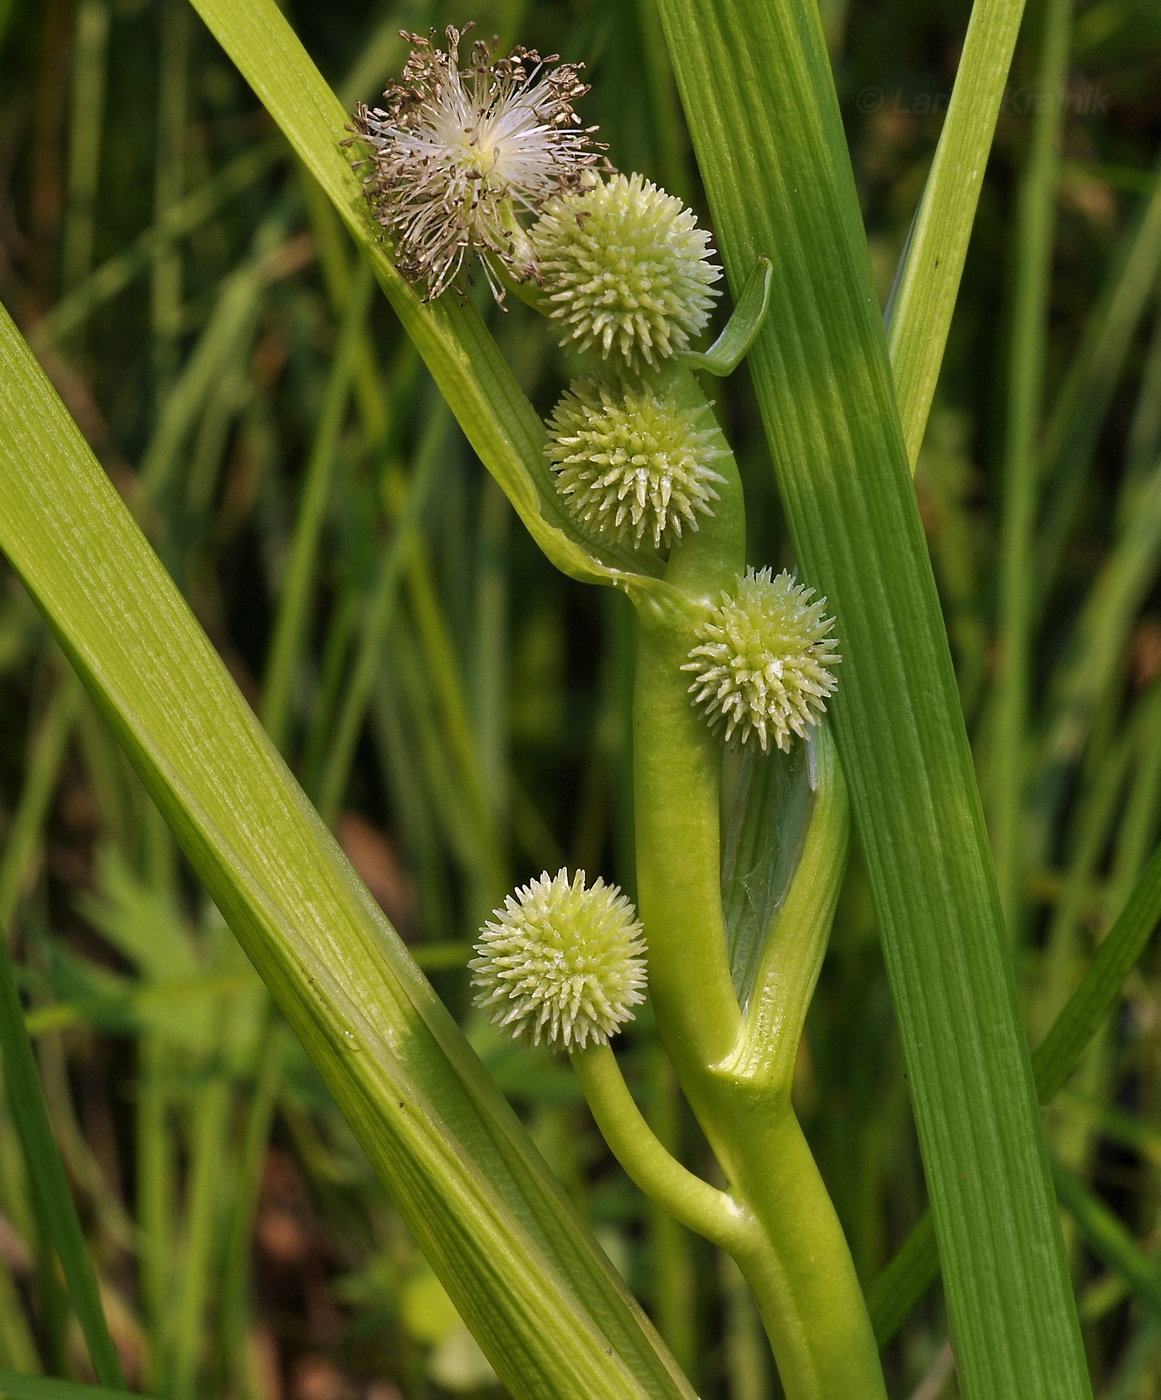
[(632, 465), (626, 269), (762, 660), (456, 154), (561, 962)]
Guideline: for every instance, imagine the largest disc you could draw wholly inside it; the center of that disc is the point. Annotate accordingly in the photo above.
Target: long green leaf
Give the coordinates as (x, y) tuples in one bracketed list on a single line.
[(913, 1269), (528, 1279), (760, 99)]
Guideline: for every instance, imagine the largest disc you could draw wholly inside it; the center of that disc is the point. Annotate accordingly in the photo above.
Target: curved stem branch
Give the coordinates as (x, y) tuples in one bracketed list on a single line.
[(695, 1203)]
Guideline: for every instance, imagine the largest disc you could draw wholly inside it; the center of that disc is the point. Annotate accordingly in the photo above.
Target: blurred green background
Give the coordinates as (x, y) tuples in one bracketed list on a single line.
[(459, 712)]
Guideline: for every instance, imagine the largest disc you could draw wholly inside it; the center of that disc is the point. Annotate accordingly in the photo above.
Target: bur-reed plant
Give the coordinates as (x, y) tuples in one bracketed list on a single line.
[(651, 504)]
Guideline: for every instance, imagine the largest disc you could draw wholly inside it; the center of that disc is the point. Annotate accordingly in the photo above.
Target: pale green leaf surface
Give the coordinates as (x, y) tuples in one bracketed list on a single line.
[(760, 99), (527, 1278)]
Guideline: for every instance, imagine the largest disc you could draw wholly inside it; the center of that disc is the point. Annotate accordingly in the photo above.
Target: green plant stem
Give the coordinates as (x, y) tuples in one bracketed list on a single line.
[(801, 1272), (697, 1205), (676, 779), (798, 1263)]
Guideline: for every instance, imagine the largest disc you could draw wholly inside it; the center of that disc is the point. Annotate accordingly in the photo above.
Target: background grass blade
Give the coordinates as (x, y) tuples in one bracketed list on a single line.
[(495, 1225), (47, 1175), (1108, 1238), (823, 380), (922, 303), (1035, 236), (13, 1387)]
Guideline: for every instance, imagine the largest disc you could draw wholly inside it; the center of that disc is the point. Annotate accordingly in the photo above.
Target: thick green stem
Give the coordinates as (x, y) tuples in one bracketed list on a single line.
[(676, 777), (801, 1273), (736, 1071)]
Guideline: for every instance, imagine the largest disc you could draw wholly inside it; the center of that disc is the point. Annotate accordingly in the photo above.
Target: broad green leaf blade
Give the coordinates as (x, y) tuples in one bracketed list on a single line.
[(760, 98), (497, 419), (914, 1267), (46, 1174), (14, 1387), (528, 1279), (923, 300)]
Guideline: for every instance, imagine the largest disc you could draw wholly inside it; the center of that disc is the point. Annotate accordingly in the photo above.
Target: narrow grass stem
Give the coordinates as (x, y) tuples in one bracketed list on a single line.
[(290, 625), (44, 761), (381, 603), (1034, 239)]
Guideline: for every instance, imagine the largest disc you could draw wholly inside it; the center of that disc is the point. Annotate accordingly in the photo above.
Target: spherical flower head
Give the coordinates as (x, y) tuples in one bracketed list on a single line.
[(762, 660), (626, 268), (561, 962), (631, 464), (458, 154)]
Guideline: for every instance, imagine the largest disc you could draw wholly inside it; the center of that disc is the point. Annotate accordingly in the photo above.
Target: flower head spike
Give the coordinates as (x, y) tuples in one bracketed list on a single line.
[(457, 154), (631, 464), (762, 660), (627, 269), (560, 962)]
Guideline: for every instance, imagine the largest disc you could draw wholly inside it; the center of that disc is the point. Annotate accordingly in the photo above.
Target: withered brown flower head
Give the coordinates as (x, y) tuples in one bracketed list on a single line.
[(458, 154)]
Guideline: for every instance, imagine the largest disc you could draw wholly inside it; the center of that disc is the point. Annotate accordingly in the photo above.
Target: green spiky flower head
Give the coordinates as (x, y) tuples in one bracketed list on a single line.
[(762, 660), (631, 464), (560, 962), (626, 269)]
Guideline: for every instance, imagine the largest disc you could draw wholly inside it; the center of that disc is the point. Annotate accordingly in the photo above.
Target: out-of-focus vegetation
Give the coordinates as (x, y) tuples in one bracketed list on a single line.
[(458, 711)]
